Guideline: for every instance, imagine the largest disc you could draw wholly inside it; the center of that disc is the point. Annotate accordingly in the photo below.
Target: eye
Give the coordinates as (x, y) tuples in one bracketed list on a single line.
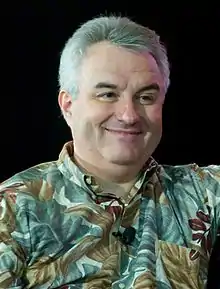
[(107, 96), (146, 98)]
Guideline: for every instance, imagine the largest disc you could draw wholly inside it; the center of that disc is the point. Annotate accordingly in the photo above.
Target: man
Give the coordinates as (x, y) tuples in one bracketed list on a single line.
[(106, 215)]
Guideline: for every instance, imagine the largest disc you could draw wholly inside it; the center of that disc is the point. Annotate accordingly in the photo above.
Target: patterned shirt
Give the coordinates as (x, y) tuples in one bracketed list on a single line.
[(57, 228)]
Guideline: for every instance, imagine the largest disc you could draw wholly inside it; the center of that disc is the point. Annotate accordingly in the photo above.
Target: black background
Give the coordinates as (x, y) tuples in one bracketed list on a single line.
[(33, 35)]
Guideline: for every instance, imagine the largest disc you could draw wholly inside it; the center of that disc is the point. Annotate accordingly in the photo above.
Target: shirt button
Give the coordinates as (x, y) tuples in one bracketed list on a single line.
[(88, 181)]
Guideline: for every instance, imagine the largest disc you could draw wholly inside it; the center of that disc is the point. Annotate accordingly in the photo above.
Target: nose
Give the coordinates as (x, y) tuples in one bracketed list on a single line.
[(127, 112)]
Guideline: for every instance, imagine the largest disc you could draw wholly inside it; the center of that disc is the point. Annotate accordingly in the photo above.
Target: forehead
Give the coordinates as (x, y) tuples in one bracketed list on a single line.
[(106, 62)]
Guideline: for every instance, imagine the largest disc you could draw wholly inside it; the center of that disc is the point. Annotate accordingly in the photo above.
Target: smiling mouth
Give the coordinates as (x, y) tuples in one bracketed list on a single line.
[(124, 132)]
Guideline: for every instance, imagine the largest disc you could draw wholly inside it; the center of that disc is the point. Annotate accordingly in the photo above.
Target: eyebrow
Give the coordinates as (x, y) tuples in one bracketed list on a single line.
[(106, 85), (153, 86)]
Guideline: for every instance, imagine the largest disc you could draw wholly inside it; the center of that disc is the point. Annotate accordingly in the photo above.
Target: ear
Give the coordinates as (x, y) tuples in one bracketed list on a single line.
[(65, 103)]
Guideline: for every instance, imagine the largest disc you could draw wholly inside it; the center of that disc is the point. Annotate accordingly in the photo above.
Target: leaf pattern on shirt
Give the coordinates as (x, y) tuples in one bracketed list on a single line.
[(145, 280), (39, 188), (181, 271), (106, 254), (201, 233), (56, 233)]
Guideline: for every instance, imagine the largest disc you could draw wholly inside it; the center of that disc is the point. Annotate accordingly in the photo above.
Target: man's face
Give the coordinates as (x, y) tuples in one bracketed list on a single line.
[(117, 116)]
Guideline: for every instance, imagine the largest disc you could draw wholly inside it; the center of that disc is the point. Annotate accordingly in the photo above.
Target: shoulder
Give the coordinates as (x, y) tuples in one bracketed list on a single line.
[(193, 184), (206, 175), (35, 181)]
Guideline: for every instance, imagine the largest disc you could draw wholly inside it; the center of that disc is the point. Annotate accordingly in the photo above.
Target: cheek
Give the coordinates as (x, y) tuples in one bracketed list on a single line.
[(87, 122), (97, 113), (154, 115)]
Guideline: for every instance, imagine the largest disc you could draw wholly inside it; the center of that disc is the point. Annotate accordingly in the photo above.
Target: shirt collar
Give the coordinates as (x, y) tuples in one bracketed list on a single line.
[(71, 171)]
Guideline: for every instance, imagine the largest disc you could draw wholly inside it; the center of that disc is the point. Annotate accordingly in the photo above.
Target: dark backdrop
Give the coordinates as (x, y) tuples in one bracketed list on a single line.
[(33, 35)]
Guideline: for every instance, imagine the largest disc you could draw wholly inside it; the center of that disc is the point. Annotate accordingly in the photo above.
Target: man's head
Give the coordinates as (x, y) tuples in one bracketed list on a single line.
[(113, 78)]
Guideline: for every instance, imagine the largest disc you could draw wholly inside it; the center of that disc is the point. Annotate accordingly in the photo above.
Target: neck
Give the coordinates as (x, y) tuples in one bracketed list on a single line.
[(117, 181), (120, 190), (110, 173)]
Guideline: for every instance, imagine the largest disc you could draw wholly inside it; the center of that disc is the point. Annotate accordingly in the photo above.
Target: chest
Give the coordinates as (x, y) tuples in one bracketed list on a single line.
[(79, 243)]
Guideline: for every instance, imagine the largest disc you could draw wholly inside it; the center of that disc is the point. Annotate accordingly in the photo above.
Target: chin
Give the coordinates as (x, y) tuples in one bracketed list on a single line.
[(123, 159), (125, 156), (123, 162)]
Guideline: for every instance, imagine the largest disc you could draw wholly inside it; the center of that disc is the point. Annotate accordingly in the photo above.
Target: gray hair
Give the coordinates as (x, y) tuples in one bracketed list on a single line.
[(120, 31)]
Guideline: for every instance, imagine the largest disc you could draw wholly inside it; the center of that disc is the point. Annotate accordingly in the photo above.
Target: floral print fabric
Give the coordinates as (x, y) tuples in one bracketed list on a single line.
[(57, 228)]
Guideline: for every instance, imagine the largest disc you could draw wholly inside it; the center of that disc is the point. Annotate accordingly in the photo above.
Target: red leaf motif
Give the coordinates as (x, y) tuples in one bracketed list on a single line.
[(197, 236), (13, 198), (194, 254), (202, 216), (114, 210), (197, 225)]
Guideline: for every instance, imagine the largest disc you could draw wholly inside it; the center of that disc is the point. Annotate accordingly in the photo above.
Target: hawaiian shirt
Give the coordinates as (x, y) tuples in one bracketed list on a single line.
[(57, 228)]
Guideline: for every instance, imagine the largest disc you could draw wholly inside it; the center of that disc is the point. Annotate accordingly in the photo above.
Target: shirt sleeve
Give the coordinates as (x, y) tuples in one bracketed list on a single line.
[(13, 240), (213, 195)]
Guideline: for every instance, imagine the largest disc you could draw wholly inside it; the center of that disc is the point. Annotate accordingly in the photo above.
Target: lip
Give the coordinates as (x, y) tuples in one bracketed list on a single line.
[(124, 132), (126, 136)]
